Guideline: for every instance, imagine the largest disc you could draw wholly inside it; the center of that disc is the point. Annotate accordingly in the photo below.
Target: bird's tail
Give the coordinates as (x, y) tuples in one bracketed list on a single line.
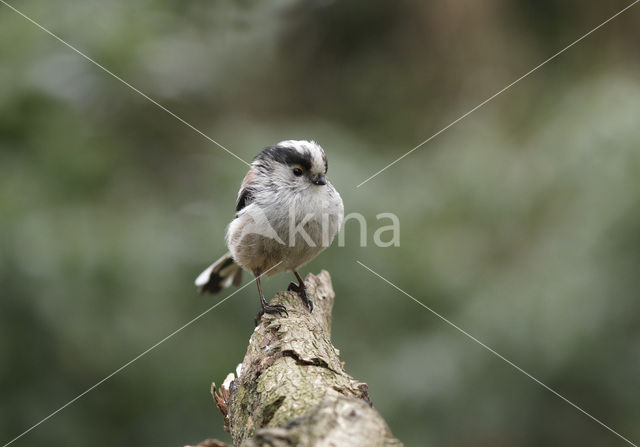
[(219, 275)]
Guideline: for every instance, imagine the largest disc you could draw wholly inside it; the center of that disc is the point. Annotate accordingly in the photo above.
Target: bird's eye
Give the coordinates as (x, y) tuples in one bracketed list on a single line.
[(297, 171)]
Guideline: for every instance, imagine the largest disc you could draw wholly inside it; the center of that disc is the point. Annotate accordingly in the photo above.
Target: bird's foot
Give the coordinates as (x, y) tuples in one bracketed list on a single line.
[(301, 290), (269, 309)]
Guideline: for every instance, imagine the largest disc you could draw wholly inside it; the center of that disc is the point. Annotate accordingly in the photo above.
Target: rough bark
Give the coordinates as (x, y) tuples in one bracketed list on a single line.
[(292, 389)]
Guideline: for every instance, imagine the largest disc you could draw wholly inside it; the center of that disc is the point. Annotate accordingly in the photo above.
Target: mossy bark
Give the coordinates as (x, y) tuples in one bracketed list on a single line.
[(291, 387)]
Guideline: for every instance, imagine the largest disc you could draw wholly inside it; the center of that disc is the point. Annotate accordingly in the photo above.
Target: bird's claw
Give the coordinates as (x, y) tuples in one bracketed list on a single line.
[(301, 290), (276, 309), (272, 309)]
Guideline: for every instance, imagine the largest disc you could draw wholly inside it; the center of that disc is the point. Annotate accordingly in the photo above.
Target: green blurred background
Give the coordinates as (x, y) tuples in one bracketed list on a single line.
[(521, 224)]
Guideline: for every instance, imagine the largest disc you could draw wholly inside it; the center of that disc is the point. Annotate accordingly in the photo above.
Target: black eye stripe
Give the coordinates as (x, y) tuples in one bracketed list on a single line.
[(287, 156)]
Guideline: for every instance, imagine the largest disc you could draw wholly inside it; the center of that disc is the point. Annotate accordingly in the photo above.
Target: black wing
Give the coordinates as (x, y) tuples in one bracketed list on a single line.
[(244, 198)]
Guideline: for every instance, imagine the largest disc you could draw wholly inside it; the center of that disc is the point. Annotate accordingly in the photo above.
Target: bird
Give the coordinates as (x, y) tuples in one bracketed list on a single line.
[(287, 212)]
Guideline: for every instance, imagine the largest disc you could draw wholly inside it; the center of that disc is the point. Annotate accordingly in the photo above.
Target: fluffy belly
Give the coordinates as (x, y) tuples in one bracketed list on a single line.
[(275, 253), (261, 255)]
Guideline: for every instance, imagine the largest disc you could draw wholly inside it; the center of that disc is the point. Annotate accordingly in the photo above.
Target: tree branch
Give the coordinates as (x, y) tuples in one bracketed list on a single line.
[(292, 388)]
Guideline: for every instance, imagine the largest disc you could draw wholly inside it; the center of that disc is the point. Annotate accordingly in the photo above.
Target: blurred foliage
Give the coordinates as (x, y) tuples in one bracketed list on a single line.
[(519, 224)]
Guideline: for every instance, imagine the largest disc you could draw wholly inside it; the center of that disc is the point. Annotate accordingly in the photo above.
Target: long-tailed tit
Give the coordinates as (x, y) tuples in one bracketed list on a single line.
[(286, 213)]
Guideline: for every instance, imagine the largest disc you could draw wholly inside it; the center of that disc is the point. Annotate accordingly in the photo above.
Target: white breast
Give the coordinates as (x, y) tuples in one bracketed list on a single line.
[(287, 232)]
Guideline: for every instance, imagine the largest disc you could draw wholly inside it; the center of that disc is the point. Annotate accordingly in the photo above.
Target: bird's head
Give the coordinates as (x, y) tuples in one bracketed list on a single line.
[(294, 162)]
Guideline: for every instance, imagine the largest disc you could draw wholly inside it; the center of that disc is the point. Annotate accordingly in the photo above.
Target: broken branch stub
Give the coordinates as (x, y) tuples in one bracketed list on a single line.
[(292, 389)]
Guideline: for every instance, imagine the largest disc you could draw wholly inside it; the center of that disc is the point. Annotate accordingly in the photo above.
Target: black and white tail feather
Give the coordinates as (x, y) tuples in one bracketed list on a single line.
[(219, 275)]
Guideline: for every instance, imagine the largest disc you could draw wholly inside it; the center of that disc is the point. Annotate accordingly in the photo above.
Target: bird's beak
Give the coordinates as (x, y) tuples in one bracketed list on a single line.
[(319, 180)]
